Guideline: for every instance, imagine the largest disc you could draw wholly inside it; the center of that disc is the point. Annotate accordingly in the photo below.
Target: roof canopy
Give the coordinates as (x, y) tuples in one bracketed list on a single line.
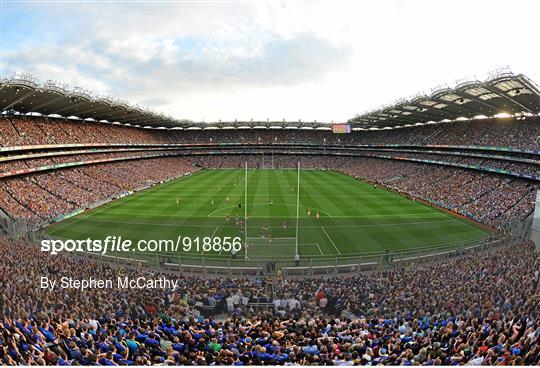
[(501, 94), (24, 94), (504, 92)]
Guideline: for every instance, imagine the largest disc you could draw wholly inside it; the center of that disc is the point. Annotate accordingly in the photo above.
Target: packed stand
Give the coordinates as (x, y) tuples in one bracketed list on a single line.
[(515, 133), (483, 309), (40, 198)]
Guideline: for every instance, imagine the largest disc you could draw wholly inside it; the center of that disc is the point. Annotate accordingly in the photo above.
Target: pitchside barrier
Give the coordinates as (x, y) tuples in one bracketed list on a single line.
[(288, 266), (17, 228), (14, 228), (535, 228)]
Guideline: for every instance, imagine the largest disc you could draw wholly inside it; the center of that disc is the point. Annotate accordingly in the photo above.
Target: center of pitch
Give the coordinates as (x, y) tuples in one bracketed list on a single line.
[(211, 214)]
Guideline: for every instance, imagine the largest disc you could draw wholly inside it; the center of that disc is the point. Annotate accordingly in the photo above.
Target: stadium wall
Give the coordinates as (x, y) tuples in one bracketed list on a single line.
[(535, 232)]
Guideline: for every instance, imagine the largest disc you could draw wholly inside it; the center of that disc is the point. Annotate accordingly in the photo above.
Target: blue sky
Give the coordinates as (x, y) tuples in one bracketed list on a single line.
[(316, 60)]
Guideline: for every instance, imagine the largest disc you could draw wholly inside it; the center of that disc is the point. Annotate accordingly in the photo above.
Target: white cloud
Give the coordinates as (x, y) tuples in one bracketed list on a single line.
[(324, 60)]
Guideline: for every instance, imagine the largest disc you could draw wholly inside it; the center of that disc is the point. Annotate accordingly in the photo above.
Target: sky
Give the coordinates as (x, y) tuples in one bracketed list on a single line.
[(293, 60)]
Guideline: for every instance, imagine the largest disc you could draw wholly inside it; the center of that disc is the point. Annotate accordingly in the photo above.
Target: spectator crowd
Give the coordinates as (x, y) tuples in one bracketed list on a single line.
[(41, 197), (492, 199), (18, 131), (481, 309)]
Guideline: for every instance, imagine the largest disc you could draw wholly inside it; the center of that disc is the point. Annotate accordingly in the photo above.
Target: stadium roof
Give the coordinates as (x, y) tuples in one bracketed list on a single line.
[(503, 93), (24, 94)]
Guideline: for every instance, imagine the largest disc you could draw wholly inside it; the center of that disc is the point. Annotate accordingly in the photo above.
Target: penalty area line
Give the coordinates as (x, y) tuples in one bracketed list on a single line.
[(331, 241), (212, 237)]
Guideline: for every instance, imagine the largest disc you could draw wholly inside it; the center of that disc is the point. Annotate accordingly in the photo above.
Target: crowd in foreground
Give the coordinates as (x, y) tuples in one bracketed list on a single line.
[(481, 309)]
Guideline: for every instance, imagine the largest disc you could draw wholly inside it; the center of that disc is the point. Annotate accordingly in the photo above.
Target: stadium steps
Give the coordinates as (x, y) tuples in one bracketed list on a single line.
[(8, 191), (348, 314), (66, 132), (486, 130), (529, 216), (483, 194), (103, 133), (5, 220), (46, 134), (15, 128), (75, 184), (511, 206), (523, 198), (444, 178), (100, 180), (470, 199), (37, 183)]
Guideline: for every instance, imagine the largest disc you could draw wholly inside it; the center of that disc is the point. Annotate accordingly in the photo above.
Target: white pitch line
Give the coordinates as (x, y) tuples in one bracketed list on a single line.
[(211, 237), (268, 204), (281, 238), (320, 250), (90, 213), (396, 215), (193, 195), (114, 203), (461, 222), (331, 241)]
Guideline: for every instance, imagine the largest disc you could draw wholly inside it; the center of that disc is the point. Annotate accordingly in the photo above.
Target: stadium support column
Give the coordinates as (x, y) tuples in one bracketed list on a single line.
[(535, 230), (297, 208), (245, 212)]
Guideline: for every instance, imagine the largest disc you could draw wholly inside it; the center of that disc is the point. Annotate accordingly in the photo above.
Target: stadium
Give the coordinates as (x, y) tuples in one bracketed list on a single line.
[(408, 234)]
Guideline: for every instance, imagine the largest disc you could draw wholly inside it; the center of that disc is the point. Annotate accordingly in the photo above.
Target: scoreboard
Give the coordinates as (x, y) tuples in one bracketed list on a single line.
[(341, 128)]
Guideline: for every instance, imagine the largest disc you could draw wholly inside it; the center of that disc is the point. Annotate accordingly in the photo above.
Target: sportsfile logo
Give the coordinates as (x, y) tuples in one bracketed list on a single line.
[(109, 244), (118, 244)]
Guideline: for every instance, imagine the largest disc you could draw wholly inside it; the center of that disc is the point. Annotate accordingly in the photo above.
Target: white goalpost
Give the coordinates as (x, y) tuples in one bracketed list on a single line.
[(245, 211), (283, 245), (297, 210)]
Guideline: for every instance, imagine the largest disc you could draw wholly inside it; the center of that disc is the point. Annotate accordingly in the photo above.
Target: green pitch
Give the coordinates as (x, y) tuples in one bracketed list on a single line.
[(338, 216)]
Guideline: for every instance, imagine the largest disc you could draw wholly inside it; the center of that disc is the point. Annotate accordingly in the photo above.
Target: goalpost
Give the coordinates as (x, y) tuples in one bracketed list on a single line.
[(245, 212), (297, 210), (290, 241)]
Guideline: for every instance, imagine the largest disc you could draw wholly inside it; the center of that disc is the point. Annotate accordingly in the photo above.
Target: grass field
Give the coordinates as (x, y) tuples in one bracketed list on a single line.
[(354, 217)]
